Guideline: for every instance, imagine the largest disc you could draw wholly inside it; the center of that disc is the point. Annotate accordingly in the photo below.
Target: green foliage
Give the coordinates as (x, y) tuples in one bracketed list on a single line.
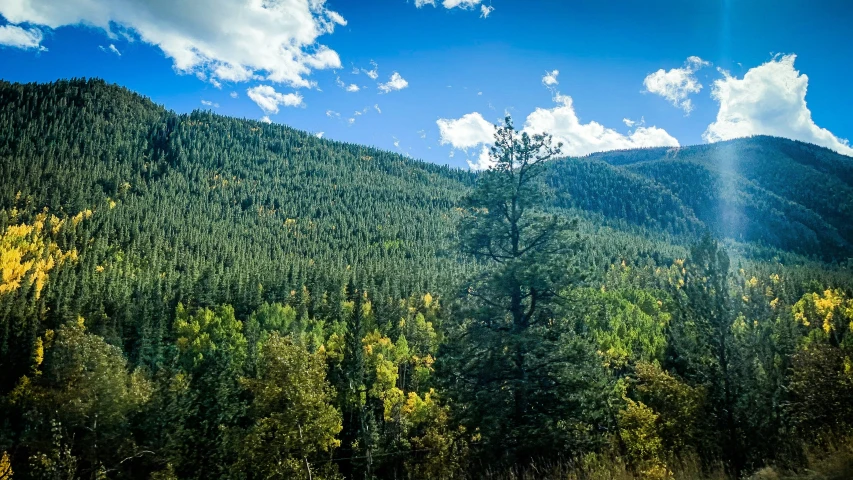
[(294, 423), (628, 325), (821, 388), (677, 406), (523, 380), (79, 402), (638, 428), (202, 401), (255, 296)]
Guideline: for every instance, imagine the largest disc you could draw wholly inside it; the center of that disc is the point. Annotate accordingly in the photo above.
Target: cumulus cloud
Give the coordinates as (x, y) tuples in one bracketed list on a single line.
[(234, 94), (472, 130), (266, 119), (227, 40), (550, 78), (269, 100), (112, 48), (353, 88), (396, 82), (18, 37), (319, 134), (208, 103), (483, 160), (769, 100), (467, 131), (584, 138), (486, 10), (677, 84)]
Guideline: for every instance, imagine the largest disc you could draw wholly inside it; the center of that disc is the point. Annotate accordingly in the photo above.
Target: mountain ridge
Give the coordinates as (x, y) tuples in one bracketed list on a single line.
[(671, 190)]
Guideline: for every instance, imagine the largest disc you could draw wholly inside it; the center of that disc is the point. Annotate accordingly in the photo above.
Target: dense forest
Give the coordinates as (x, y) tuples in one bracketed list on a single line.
[(197, 296)]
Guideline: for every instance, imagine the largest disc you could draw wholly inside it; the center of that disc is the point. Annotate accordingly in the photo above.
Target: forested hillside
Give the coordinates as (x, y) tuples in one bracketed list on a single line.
[(198, 296), (778, 192)]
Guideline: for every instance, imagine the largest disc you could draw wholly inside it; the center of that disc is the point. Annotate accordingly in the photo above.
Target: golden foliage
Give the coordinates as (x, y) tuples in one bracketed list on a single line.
[(5, 467), (830, 312), (28, 252)]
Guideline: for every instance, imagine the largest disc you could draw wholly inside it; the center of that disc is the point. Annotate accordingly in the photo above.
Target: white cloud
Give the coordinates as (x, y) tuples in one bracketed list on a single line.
[(18, 37), (485, 10), (583, 138), (350, 121), (112, 48), (396, 82), (628, 122), (677, 84), (550, 78), (319, 134), (483, 161), (468, 131), (472, 130), (332, 114), (461, 3), (234, 94), (373, 74), (266, 119), (376, 107), (269, 100), (353, 88), (226, 40), (208, 103), (769, 100)]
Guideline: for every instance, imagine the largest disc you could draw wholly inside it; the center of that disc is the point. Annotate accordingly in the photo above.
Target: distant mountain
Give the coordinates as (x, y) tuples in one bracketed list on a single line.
[(214, 209), (772, 191)]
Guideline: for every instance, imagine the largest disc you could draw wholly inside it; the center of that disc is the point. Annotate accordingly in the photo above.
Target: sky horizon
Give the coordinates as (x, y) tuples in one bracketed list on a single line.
[(429, 78)]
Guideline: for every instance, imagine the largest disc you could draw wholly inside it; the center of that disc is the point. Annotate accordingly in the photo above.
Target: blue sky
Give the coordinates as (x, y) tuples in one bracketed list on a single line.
[(630, 73)]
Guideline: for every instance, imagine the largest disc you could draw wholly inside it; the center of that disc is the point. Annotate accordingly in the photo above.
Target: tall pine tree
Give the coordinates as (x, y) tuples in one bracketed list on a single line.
[(515, 371)]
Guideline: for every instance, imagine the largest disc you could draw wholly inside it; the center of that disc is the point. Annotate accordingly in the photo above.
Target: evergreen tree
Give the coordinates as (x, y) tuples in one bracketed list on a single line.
[(701, 343), (515, 371)]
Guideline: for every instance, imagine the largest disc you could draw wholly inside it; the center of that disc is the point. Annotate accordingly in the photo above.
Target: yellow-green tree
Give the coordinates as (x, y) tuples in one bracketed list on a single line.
[(81, 397), (203, 401), (827, 316), (29, 254), (295, 426)]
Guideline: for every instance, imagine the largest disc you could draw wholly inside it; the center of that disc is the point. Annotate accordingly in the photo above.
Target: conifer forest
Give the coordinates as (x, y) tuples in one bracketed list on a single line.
[(196, 296)]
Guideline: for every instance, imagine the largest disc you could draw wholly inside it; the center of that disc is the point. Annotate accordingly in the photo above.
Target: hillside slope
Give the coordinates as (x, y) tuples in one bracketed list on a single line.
[(778, 192), (206, 209)]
